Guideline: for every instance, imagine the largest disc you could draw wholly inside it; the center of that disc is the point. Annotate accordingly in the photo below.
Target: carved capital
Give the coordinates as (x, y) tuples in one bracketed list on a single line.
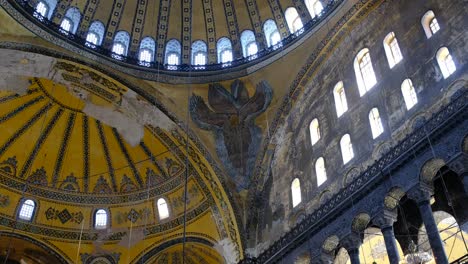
[(352, 241), (385, 218), (421, 193)]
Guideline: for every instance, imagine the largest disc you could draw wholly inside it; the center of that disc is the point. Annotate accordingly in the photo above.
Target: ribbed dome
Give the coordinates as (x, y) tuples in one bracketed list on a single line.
[(179, 35)]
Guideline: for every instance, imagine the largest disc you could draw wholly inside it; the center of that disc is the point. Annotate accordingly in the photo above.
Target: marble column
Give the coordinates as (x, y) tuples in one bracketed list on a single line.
[(422, 195), (351, 243), (385, 221)]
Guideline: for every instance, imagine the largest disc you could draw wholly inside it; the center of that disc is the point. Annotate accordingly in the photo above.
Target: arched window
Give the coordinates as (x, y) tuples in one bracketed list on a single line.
[(199, 53), (339, 94), (271, 32), (147, 50), (375, 123), (45, 8), (315, 7), (163, 209), (320, 171), (392, 50), (409, 94), (71, 20), (430, 24), (95, 33), (172, 57), (296, 192), (314, 131), (26, 211), (120, 46), (293, 20), (224, 49), (346, 148), (445, 61), (249, 46), (100, 219), (365, 75)]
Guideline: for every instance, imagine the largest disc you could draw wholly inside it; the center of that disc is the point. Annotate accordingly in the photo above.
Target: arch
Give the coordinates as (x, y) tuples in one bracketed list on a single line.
[(375, 123), (364, 71), (101, 219), (346, 146), (120, 45), (199, 53), (95, 33), (392, 49), (296, 192), (430, 169), (409, 93), (445, 61), (27, 210), (393, 197), (73, 17), (172, 53), (224, 50), (339, 94), (147, 50), (20, 242), (320, 171), (315, 7), (314, 129), (294, 20), (429, 23), (45, 8), (249, 46), (163, 209), (272, 35)]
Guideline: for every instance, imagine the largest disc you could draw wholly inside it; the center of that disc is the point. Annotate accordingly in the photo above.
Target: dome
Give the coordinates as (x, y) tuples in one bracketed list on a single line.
[(172, 36)]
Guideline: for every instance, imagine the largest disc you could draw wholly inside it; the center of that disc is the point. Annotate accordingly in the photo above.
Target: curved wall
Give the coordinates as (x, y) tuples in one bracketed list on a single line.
[(294, 156)]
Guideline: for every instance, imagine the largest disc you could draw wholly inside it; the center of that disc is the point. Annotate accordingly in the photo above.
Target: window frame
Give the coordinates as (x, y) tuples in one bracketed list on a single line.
[(349, 149), (314, 131), (95, 219), (376, 124), (296, 192), (320, 172), (445, 61), (341, 102), (410, 96), (364, 71), (392, 50), (22, 203), (426, 20)]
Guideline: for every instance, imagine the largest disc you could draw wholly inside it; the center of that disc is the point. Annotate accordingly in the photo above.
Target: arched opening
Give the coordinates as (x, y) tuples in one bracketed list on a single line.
[(27, 210), (430, 24), (147, 51), (95, 34), (409, 94), (294, 20), (445, 61), (163, 209), (341, 105), (272, 35), (364, 71), (100, 219), (249, 46), (296, 192), (224, 49), (347, 151), (392, 49)]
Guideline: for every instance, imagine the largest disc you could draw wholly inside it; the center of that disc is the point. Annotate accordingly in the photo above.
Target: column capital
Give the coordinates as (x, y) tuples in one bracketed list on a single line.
[(385, 218), (421, 192), (351, 241)]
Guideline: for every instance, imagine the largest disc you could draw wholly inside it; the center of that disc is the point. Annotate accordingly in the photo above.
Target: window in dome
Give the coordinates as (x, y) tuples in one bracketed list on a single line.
[(249, 46), (120, 46), (71, 20), (320, 171), (339, 94), (224, 49), (271, 32), (392, 50), (100, 219), (173, 51), (95, 34), (445, 61), (314, 131), (409, 94), (27, 210), (375, 123), (430, 23), (199, 53), (66, 25), (296, 192), (147, 50), (163, 209), (315, 7), (45, 8), (365, 75), (294, 21), (346, 148)]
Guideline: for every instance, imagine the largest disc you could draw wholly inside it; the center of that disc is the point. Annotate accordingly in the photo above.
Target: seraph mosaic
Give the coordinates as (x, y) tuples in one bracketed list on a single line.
[(231, 116)]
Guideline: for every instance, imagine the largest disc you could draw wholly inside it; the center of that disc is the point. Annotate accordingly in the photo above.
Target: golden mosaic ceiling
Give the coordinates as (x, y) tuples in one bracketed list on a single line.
[(81, 142)]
